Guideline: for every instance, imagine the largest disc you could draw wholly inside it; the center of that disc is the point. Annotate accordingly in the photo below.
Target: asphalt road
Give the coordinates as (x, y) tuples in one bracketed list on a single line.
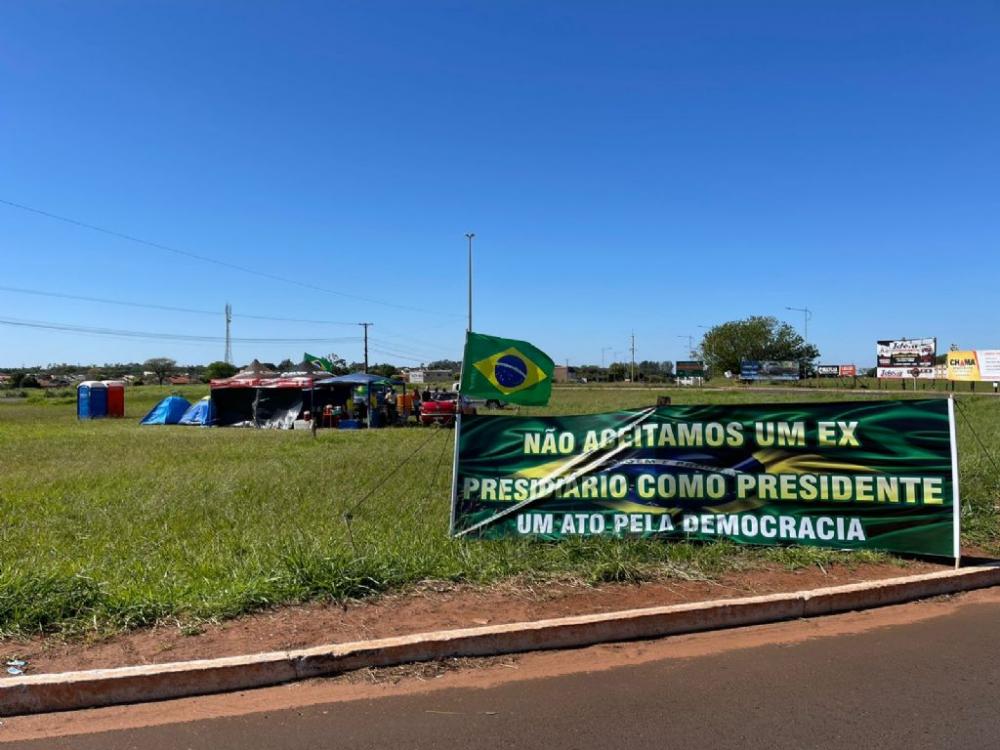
[(928, 679)]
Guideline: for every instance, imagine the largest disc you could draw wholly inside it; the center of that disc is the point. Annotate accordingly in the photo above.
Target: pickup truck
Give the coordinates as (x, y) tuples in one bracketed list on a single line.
[(489, 403), (441, 411)]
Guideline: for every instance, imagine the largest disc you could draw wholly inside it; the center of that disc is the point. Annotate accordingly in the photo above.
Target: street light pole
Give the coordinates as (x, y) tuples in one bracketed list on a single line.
[(806, 315), (469, 236), (690, 339)]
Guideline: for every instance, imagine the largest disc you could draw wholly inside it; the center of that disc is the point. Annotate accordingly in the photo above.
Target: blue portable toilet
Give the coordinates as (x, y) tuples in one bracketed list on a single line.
[(168, 411), (91, 400), (200, 413)]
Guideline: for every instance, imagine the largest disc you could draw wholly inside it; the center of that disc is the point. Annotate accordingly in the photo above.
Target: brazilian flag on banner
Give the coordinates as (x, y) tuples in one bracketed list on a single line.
[(506, 369)]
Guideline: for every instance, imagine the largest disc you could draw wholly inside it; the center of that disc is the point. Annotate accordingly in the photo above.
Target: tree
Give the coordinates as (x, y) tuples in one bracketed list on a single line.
[(451, 365), (617, 371), (217, 370), (385, 370), (756, 338), (161, 367)]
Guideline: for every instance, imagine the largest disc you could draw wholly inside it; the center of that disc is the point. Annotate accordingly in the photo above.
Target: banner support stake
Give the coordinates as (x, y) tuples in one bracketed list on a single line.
[(956, 511), (458, 432)]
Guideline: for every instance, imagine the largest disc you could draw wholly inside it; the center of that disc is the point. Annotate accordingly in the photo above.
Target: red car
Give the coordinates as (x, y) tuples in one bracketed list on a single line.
[(441, 411)]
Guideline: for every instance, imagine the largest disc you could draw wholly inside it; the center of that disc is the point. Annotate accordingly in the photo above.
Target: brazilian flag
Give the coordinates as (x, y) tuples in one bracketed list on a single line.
[(506, 370), (323, 362)]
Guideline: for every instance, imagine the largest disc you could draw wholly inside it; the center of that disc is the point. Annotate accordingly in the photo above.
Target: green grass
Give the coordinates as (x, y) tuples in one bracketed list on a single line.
[(107, 525)]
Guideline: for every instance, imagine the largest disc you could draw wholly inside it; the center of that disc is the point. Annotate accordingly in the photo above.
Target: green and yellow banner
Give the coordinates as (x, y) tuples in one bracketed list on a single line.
[(847, 475), (505, 370)]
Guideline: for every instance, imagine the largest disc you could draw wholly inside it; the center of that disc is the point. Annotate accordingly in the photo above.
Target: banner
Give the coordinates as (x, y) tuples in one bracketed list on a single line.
[(905, 358), (974, 365), (848, 475), (753, 370), (897, 373), (690, 369)]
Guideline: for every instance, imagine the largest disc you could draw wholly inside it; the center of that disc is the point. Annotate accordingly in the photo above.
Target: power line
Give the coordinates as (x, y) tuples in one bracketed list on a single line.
[(397, 355), (158, 336), (149, 305), (395, 348), (168, 308), (405, 349), (216, 261)]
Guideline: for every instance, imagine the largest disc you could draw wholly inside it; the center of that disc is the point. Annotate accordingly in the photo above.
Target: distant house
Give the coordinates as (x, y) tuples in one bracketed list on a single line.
[(52, 381), (179, 380), (4, 378), (429, 376)]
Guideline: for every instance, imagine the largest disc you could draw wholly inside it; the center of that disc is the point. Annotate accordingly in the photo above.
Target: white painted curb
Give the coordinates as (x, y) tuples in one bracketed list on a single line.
[(105, 687)]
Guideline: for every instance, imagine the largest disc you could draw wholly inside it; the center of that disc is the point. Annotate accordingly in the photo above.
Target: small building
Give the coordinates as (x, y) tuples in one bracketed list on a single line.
[(429, 376)]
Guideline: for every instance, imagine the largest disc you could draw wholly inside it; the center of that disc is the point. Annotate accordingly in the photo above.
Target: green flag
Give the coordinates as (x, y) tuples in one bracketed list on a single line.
[(323, 362), (506, 369)]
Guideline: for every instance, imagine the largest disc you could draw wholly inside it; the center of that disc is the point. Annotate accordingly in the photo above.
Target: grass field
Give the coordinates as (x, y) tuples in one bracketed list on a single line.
[(107, 525)]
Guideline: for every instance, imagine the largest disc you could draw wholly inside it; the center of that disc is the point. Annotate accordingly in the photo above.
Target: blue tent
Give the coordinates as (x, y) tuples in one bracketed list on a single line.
[(168, 411), (200, 413)]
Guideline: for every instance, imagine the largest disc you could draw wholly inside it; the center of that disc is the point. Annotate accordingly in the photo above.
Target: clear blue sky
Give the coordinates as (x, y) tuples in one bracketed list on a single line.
[(650, 166)]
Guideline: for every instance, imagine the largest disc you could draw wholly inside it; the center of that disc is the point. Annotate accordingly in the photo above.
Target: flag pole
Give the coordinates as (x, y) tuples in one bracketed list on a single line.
[(458, 401), (458, 434)]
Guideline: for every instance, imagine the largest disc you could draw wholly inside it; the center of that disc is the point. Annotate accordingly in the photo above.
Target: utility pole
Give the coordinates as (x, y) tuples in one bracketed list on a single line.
[(806, 315), (469, 236), (604, 349), (229, 342), (633, 356), (365, 326)]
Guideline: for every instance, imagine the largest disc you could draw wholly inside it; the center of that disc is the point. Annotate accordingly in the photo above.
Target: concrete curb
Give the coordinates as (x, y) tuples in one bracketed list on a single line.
[(105, 687)]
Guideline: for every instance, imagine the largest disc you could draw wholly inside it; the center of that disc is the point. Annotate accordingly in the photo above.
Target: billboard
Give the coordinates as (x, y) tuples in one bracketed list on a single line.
[(828, 371), (906, 358), (897, 373), (974, 365), (847, 475), (690, 369), (848, 371), (751, 369)]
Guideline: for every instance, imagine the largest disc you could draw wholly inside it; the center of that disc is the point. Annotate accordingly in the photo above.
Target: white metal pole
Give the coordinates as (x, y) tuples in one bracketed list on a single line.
[(469, 236), (955, 494), (458, 434)]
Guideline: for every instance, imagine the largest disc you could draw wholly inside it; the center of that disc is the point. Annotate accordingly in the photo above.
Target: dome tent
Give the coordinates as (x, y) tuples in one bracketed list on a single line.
[(168, 411), (200, 413)]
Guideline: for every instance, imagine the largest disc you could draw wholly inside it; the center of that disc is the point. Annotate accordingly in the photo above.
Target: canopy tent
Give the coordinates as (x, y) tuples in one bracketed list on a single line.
[(252, 373), (255, 370), (361, 380), (356, 378), (306, 368), (273, 403), (168, 411), (199, 413)]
